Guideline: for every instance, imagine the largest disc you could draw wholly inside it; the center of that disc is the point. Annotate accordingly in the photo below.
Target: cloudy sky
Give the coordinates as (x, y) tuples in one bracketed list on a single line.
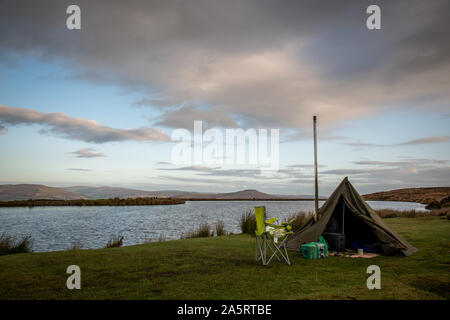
[(97, 106)]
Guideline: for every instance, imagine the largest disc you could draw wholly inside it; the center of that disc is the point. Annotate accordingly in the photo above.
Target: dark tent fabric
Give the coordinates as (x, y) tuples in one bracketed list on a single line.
[(361, 223)]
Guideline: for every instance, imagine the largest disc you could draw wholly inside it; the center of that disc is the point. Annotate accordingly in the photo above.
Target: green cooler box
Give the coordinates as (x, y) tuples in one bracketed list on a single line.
[(315, 250)]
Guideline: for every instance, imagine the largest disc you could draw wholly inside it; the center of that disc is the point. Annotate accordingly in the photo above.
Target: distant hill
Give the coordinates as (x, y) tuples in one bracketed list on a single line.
[(106, 192), (421, 195), (34, 191), (244, 194), (247, 194), (112, 192)]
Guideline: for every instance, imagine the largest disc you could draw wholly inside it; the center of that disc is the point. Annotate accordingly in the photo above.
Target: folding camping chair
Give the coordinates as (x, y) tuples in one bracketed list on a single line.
[(265, 239)]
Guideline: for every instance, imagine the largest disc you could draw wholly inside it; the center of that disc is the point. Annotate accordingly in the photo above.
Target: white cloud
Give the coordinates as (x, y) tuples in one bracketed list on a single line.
[(77, 128), (427, 140), (88, 153)]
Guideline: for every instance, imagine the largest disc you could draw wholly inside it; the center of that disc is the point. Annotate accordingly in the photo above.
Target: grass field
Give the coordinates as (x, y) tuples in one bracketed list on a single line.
[(224, 268)]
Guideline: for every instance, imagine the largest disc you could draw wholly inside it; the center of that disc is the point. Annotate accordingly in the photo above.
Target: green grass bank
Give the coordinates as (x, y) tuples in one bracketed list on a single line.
[(224, 268)]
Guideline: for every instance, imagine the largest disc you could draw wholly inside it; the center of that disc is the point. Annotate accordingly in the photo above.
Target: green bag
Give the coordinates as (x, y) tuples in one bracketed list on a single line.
[(315, 250), (309, 250)]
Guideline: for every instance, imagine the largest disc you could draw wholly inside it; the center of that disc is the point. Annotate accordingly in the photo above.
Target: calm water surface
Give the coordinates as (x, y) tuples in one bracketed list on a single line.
[(58, 228)]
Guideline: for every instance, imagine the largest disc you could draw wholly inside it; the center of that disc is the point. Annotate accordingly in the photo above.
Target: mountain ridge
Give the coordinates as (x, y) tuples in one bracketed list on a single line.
[(35, 191), (38, 191)]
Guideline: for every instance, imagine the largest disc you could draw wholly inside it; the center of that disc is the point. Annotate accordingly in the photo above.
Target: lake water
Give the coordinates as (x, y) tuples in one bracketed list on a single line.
[(58, 228)]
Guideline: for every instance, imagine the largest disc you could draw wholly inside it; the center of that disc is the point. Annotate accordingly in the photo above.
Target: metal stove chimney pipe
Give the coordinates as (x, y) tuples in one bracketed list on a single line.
[(316, 182)]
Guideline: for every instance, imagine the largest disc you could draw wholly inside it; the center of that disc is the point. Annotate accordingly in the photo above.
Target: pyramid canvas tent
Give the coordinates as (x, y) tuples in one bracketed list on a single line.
[(347, 211)]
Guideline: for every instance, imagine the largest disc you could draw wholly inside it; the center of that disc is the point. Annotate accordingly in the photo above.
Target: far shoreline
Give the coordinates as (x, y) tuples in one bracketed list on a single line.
[(115, 202), (128, 202)]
